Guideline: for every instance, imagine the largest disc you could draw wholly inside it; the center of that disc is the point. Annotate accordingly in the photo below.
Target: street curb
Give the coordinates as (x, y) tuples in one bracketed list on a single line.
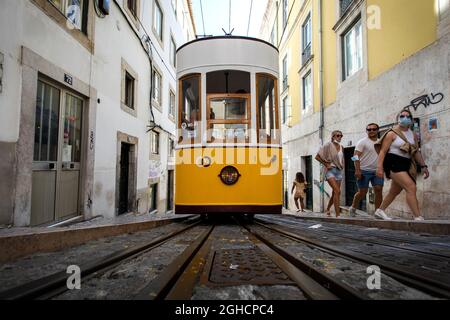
[(399, 225), (16, 246)]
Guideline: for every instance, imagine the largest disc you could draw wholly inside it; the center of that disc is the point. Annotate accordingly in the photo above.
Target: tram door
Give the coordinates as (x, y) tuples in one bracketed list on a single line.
[(56, 154)]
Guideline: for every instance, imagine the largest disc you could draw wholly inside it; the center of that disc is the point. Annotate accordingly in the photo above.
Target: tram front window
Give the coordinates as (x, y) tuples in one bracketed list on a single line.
[(189, 120), (228, 118), (267, 104)]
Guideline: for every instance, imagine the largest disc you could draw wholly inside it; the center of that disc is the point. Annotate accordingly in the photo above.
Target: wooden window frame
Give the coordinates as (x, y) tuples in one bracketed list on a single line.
[(158, 102), (180, 104), (129, 95), (277, 119), (172, 93), (156, 5), (247, 121), (134, 16), (126, 68)]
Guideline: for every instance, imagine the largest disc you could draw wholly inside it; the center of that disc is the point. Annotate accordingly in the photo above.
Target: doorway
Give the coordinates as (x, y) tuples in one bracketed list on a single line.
[(351, 183), (285, 190), (309, 178), (170, 189), (125, 149), (56, 155)]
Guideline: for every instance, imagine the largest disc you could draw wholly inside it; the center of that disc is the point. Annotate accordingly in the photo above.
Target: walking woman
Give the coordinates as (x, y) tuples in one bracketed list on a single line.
[(331, 155), (399, 148), (299, 185)]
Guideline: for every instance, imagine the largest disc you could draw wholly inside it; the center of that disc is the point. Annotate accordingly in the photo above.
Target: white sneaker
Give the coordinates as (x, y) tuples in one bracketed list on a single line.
[(352, 212), (420, 218), (380, 214)]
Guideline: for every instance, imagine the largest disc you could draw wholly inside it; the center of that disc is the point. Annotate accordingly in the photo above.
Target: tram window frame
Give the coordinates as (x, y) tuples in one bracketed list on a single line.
[(244, 121), (277, 138), (180, 107)]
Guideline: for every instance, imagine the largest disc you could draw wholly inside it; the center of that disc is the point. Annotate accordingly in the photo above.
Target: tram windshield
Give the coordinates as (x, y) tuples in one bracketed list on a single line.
[(228, 118), (228, 106), (190, 113), (267, 107)]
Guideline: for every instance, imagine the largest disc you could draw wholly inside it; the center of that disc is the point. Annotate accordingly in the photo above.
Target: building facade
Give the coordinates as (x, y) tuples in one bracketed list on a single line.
[(88, 107), (346, 63)]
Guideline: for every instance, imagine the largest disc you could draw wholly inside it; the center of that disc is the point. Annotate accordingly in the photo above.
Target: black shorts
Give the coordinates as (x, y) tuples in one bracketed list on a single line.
[(395, 163)]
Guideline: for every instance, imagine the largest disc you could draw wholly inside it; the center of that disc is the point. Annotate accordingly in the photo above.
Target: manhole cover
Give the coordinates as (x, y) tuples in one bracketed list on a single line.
[(243, 267)]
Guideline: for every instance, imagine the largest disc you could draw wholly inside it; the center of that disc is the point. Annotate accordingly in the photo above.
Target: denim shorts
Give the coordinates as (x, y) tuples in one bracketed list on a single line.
[(369, 176), (334, 173)]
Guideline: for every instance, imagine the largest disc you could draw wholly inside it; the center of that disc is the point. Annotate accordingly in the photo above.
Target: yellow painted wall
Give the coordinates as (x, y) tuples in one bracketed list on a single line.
[(407, 26), (329, 52), (292, 45)]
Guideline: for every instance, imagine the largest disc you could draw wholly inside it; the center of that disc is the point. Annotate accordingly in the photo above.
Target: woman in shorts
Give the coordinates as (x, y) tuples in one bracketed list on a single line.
[(331, 155), (395, 159)]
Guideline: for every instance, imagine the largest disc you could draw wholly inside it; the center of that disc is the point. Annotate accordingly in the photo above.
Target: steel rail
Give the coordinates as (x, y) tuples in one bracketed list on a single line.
[(311, 288), (415, 280), (340, 290), (160, 287), (330, 231), (57, 282), (390, 237)]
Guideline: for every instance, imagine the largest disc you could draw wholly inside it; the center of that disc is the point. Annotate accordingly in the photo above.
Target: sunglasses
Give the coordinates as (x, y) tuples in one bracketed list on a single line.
[(372, 129), (403, 116), (339, 136)]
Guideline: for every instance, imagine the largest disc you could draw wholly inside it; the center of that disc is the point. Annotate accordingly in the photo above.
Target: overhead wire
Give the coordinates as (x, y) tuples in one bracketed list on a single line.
[(229, 15), (249, 16), (203, 20)]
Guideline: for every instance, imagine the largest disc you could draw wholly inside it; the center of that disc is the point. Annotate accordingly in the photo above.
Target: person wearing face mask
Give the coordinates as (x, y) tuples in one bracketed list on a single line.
[(331, 155), (399, 148)]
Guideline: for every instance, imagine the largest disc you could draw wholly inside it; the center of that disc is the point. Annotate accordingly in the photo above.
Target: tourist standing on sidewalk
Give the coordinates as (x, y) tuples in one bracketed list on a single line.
[(299, 185), (366, 159), (399, 149), (331, 155)]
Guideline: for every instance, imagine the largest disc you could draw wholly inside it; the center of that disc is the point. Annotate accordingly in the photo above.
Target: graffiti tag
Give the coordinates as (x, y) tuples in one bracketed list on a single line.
[(425, 101), (91, 141)]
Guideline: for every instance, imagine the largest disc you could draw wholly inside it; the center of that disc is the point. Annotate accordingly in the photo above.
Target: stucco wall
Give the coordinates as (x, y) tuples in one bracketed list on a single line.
[(379, 101)]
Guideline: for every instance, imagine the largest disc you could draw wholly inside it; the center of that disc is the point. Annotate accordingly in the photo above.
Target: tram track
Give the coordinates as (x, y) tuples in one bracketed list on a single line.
[(180, 278), (436, 286), (362, 237), (194, 265), (55, 284)]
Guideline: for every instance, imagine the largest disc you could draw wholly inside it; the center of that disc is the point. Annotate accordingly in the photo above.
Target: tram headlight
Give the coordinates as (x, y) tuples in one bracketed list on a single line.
[(229, 175)]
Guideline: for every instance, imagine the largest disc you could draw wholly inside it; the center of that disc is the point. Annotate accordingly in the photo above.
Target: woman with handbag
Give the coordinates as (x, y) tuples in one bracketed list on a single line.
[(331, 156), (397, 159)]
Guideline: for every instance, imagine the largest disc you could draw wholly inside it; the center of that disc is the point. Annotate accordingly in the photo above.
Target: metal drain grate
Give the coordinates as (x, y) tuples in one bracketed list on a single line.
[(245, 266)]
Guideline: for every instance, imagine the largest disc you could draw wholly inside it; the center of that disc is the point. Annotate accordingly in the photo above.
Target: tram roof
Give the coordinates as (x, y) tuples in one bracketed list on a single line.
[(227, 37)]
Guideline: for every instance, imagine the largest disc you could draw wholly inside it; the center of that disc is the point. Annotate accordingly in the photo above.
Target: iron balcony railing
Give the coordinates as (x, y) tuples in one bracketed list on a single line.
[(345, 4), (306, 55)]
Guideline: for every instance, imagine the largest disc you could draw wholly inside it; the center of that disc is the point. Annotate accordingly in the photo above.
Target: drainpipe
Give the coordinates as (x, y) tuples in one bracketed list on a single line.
[(322, 121)]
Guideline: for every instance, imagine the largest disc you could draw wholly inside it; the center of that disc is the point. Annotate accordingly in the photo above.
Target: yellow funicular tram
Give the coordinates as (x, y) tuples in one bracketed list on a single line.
[(228, 150)]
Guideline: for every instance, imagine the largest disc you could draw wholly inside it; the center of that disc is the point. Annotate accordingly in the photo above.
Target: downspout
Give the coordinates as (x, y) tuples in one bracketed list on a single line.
[(322, 121)]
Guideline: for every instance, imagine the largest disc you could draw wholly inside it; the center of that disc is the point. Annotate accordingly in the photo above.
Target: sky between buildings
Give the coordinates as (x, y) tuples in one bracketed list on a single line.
[(217, 15)]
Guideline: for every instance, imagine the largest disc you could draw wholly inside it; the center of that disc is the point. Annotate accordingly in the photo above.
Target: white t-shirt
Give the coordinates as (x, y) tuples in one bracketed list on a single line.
[(369, 158)]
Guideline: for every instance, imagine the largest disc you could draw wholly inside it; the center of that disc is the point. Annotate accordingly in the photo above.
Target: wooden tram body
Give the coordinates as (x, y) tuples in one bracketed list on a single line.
[(228, 148)]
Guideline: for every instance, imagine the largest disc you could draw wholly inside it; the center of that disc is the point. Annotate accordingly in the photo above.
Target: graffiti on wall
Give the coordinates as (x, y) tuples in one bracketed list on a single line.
[(425, 101)]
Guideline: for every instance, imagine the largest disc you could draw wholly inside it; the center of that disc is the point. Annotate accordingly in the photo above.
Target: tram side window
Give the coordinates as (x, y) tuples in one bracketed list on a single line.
[(267, 104), (189, 121)]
